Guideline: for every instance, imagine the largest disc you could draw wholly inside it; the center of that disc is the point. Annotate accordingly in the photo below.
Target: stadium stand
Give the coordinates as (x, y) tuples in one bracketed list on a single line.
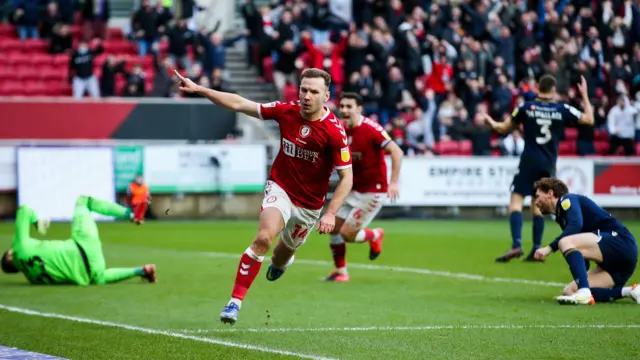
[(423, 67)]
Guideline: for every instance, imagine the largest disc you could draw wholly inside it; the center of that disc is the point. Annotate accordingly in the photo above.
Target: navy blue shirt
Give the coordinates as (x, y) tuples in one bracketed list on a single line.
[(578, 214), (543, 124)]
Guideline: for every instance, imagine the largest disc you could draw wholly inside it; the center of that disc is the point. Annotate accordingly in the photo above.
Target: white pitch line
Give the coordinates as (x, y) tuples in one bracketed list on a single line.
[(412, 328), (463, 276), (169, 333)]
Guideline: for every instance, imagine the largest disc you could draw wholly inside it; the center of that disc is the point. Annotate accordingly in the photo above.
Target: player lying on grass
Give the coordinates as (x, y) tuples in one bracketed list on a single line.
[(369, 143), (589, 233), (78, 260), (543, 121), (313, 143)]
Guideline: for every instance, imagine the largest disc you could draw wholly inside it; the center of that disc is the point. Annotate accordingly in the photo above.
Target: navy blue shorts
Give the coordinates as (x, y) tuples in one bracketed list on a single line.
[(523, 181), (619, 255)]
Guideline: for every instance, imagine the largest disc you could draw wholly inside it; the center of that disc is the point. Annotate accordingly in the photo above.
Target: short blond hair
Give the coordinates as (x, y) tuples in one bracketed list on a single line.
[(314, 73)]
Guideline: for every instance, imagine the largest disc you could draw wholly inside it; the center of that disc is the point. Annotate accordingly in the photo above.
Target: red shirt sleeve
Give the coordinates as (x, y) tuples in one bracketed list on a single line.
[(340, 146), (378, 134), (271, 111)]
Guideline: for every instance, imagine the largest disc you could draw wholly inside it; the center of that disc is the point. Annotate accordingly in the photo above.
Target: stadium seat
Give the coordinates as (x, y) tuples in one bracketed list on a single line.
[(567, 147), (570, 133), (11, 45), (290, 93), (601, 134), (35, 88), (267, 63), (17, 58), (466, 147), (60, 60), (115, 34), (6, 72), (7, 30), (601, 146), (26, 72), (41, 60), (36, 45), (448, 148)]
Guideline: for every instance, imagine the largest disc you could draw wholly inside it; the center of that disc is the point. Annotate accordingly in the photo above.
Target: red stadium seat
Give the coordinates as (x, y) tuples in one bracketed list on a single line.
[(6, 72), (36, 45), (35, 88), (26, 72), (13, 88), (601, 146), (570, 133), (267, 63), (60, 60), (448, 148), (567, 147), (11, 45), (466, 147), (41, 60), (115, 33), (7, 30), (290, 93), (18, 59), (601, 134)]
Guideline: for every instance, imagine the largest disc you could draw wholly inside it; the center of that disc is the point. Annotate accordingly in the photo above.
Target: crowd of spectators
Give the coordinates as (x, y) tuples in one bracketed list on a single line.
[(427, 68), (80, 30)]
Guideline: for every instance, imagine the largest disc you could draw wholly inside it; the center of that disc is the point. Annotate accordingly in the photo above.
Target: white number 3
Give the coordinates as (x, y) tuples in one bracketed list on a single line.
[(545, 130)]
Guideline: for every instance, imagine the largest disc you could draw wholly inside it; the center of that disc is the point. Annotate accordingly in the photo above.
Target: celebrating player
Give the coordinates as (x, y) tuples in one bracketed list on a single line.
[(543, 121), (313, 142), (589, 233), (369, 143), (78, 260)]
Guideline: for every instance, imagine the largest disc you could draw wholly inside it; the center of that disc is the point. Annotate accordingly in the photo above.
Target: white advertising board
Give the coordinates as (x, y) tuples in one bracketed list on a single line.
[(50, 179), (476, 181), (192, 168)]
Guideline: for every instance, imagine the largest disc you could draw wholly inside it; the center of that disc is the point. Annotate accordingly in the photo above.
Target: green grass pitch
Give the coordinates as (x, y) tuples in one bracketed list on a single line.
[(434, 293)]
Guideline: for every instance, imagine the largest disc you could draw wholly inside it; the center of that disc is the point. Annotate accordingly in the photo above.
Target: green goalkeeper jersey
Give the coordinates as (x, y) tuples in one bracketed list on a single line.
[(46, 261)]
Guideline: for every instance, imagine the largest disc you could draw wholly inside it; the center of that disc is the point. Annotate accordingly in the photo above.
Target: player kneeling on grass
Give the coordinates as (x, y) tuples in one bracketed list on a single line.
[(589, 233), (78, 260), (369, 143)]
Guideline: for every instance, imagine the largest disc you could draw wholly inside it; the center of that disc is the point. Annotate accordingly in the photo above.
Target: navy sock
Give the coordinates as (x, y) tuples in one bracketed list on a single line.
[(578, 267), (538, 230), (606, 295), (515, 219)]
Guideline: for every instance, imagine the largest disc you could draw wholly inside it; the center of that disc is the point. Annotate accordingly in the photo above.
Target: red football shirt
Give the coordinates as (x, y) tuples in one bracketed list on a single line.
[(309, 151), (367, 141)]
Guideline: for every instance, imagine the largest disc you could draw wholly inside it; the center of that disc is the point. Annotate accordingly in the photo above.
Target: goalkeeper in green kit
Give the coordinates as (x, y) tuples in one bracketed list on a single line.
[(78, 260)]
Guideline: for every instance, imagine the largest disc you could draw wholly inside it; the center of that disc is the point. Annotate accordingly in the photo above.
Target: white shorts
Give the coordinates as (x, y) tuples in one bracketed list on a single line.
[(298, 222), (359, 209)]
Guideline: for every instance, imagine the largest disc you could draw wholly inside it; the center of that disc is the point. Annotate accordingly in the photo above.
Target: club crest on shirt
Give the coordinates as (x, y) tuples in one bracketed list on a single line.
[(305, 130)]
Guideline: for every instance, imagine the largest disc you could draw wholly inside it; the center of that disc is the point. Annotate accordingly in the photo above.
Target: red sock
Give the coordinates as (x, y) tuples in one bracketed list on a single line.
[(139, 210), (248, 269), (369, 235), (338, 251)]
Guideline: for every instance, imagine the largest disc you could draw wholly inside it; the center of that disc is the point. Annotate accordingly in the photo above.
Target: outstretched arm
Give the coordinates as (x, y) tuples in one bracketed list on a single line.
[(499, 127), (587, 117), (229, 101), (25, 217)]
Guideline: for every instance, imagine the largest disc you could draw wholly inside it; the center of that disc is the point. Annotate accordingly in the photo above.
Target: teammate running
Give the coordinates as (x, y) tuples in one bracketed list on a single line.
[(78, 260), (543, 121), (369, 143), (589, 233), (313, 143)]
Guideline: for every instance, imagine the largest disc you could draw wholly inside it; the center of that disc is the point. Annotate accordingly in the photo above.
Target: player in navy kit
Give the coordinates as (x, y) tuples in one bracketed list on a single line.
[(543, 123), (588, 233)]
